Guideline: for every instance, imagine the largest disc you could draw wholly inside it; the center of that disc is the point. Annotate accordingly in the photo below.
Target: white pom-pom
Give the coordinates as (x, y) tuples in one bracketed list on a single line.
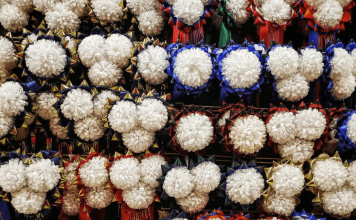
[(248, 134), (310, 124), (152, 63), (297, 150), (152, 114), (45, 105), (70, 205), (57, 129), (151, 23), (311, 64), (13, 176), (343, 87), (100, 100), (179, 182), (188, 11), (105, 73), (24, 5), (61, 18), (352, 175), (93, 173), (125, 173), (139, 197), (118, 49), (293, 89), (244, 186), (99, 197), (44, 5), (341, 63), (207, 177), (8, 58), (241, 68), (281, 127), (194, 132), (237, 8), (276, 11), (340, 202), (151, 170), (281, 205), (42, 175), (89, 129), (193, 67), (13, 99), (288, 180), (108, 10), (194, 202), (138, 7), (92, 50), (77, 104), (26, 201), (122, 116), (77, 6), (283, 62), (314, 4), (138, 140), (329, 14), (351, 128), (12, 18), (6, 124), (329, 174)]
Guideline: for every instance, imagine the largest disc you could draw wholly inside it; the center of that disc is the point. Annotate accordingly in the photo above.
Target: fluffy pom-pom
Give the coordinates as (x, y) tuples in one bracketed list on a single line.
[(105, 73), (276, 11), (100, 101), (352, 176), (99, 197), (244, 186), (351, 128), (13, 99), (77, 104), (24, 5), (194, 202), (151, 23), (179, 182), (297, 150), (8, 58), (61, 18), (70, 204), (125, 173), (329, 174), (152, 114), (26, 201), (118, 48), (237, 8), (283, 62), (45, 105), (281, 127), (288, 180), (193, 67), (241, 69), (138, 140), (12, 18), (6, 124), (310, 124), (311, 64), (122, 116), (343, 87), (44, 5), (194, 132), (13, 176), (57, 129), (281, 205), (138, 7), (248, 134), (91, 50), (139, 197), (329, 14), (293, 88), (315, 3), (108, 10), (188, 11), (340, 202), (151, 170), (89, 129), (341, 63), (77, 6), (93, 173), (42, 175), (152, 63), (207, 177)]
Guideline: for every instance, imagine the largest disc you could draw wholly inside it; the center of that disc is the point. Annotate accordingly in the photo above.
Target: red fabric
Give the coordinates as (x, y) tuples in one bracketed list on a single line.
[(130, 214)]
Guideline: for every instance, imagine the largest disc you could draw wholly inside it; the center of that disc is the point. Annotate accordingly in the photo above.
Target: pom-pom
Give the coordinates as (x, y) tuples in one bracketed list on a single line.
[(276, 11), (12, 18), (329, 174), (152, 114), (207, 177), (293, 89), (77, 6), (77, 104), (351, 128), (89, 129), (125, 173), (244, 186), (61, 18), (237, 8), (26, 201), (122, 116), (288, 180), (341, 64), (194, 202), (44, 5), (179, 182), (13, 99), (43, 175), (24, 5), (93, 173), (329, 14), (138, 140), (8, 58), (343, 87), (70, 204), (188, 11), (310, 124), (99, 197), (57, 129), (13, 176), (311, 64), (140, 197), (138, 7), (151, 170), (352, 176), (297, 150), (91, 50), (104, 72), (241, 68), (283, 62), (108, 10), (151, 23), (281, 205), (100, 100), (118, 49), (152, 63), (340, 202), (281, 127), (194, 132), (45, 105), (248, 134), (6, 124)]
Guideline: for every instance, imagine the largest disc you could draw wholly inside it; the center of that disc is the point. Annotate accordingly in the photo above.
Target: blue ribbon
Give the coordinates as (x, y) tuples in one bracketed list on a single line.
[(345, 144)]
